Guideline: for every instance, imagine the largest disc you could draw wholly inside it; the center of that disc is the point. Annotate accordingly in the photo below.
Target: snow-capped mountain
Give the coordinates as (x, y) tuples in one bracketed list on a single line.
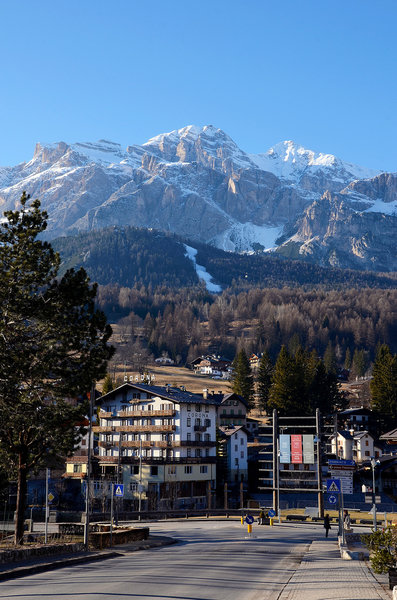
[(197, 182)]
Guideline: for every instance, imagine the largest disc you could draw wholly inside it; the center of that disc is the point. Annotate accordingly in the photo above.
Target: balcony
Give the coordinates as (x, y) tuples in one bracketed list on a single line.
[(146, 413), (103, 429), (200, 427), (136, 444), (148, 460), (144, 428), (193, 444), (105, 415)]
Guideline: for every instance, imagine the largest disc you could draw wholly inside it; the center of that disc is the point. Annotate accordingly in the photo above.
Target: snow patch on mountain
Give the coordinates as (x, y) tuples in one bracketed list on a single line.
[(201, 271), (288, 160), (387, 208), (242, 237)]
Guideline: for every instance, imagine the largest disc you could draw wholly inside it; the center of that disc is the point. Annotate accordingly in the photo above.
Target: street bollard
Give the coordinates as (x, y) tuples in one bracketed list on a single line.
[(249, 528), (242, 520), (271, 521)]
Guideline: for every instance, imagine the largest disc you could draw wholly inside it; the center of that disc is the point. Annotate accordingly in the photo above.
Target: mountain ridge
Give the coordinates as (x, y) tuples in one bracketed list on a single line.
[(196, 182)]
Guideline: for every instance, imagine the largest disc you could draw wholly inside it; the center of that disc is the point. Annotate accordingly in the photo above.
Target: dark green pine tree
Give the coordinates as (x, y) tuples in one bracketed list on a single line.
[(287, 393), (53, 345), (242, 379), (348, 359), (264, 379), (108, 384), (359, 363), (384, 388), (330, 361)]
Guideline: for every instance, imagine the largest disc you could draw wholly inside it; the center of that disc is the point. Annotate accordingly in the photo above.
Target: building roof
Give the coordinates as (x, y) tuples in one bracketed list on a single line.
[(167, 393), (230, 430), (389, 436), (355, 411), (360, 434), (345, 434)]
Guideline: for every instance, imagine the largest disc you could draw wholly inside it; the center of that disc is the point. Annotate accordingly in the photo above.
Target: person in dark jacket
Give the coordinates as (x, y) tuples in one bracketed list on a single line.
[(327, 525)]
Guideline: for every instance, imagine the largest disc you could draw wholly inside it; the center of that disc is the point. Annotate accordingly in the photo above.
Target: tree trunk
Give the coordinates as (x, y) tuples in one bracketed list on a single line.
[(21, 500)]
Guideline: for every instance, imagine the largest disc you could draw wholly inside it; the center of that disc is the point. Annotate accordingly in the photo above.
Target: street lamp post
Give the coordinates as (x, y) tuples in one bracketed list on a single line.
[(373, 465)]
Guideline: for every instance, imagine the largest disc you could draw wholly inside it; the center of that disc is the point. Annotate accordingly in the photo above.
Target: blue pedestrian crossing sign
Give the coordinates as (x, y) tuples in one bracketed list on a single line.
[(271, 513), (332, 499), (333, 485), (119, 490)]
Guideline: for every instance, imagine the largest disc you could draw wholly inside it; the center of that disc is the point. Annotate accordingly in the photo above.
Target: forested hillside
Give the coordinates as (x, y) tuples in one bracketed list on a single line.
[(130, 256), (190, 321)]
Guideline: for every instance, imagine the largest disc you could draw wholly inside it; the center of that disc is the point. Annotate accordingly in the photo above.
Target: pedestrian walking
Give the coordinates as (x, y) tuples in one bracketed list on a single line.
[(261, 517), (327, 525), (346, 521)]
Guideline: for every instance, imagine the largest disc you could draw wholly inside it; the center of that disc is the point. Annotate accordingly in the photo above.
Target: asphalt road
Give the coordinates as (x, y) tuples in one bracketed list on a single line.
[(214, 560)]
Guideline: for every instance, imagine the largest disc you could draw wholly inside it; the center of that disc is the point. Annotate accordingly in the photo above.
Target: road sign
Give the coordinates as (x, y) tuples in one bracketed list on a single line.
[(332, 499), (51, 497), (333, 485), (249, 519), (341, 463), (119, 490), (368, 499), (271, 513)]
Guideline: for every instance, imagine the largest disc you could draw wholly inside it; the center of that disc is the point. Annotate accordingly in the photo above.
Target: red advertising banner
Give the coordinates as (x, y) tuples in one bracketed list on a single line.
[(296, 449)]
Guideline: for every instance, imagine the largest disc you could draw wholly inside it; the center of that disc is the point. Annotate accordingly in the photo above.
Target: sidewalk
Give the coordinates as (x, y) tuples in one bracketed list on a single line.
[(324, 575)]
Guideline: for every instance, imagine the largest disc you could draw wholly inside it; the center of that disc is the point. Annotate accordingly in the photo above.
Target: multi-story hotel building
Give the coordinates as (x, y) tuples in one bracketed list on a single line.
[(160, 442)]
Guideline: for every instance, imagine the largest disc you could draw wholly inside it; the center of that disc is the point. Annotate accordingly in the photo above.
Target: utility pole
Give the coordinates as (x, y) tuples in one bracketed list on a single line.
[(319, 477), (47, 477), (140, 479), (87, 493), (373, 465), (275, 461)]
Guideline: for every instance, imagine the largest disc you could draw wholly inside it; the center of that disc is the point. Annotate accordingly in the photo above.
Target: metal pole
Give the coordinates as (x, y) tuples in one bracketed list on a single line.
[(140, 480), (342, 520), (373, 464), (275, 471), (111, 512), (319, 477), (278, 479), (87, 492), (47, 476)]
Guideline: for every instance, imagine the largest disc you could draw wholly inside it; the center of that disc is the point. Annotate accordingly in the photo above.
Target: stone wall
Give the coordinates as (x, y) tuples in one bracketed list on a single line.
[(18, 554)]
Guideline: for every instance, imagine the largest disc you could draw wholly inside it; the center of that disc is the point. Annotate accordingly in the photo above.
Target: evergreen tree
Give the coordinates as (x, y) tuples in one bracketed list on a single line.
[(264, 379), (287, 387), (359, 363), (53, 345), (242, 380), (330, 359), (108, 384), (384, 387), (348, 359)]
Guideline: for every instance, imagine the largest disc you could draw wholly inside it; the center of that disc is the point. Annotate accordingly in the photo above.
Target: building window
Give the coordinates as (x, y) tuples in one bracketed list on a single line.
[(188, 437), (242, 454), (207, 451), (198, 407), (197, 421), (135, 470), (203, 469), (77, 468), (172, 470), (235, 447), (198, 437), (188, 452), (154, 470), (207, 437), (236, 462), (188, 469), (133, 486), (367, 453), (207, 422), (189, 422), (198, 452), (242, 441)]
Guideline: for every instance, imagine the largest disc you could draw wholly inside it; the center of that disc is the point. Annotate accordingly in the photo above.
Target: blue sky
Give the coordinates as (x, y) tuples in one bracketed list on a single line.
[(320, 73)]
